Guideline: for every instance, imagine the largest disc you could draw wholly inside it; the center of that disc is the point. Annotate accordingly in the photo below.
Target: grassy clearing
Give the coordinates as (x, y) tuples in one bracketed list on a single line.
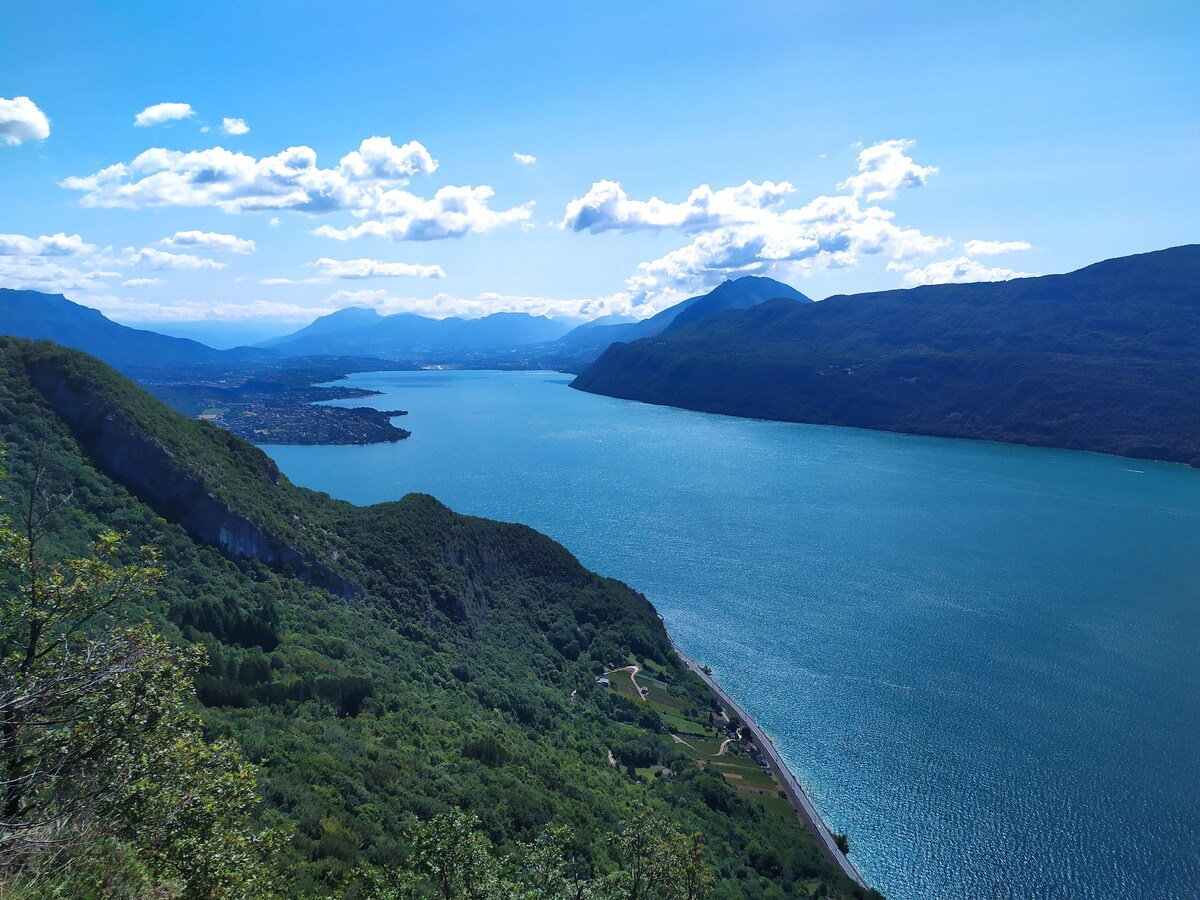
[(690, 731)]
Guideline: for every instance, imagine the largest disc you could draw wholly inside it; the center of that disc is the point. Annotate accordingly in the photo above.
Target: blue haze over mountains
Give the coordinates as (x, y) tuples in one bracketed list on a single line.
[(363, 332), (1106, 358)]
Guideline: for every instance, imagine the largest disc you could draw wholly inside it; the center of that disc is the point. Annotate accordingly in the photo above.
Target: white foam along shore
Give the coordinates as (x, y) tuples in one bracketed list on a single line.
[(795, 793)]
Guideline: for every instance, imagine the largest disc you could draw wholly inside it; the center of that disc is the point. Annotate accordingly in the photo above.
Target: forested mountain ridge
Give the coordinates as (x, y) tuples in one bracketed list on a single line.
[(389, 663), (39, 316), (588, 341), (1106, 358)]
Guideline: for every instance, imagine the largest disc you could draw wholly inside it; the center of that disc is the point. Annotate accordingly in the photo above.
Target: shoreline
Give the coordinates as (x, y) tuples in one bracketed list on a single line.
[(796, 794)]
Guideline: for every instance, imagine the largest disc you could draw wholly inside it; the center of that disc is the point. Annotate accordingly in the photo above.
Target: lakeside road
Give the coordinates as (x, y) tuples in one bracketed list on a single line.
[(791, 787)]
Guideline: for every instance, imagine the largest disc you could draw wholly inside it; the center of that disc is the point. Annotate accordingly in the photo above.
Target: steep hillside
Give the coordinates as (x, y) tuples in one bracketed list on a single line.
[(387, 663), (1106, 358)]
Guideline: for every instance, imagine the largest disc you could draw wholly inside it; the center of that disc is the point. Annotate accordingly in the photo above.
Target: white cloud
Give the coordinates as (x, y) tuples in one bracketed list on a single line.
[(58, 262), (353, 269), (367, 182), (440, 306), (828, 232), (273, 222), (377, 159), (452, 212), (129, 309), (883, 169), (747, 230), (374, 268), (21, 121), (525, 159), (208, 240), (958, 271), (149, 258), (163, 112), (232, 182), (47, 245), (234, 127), (992, 248), (63, 262), (606, 207)]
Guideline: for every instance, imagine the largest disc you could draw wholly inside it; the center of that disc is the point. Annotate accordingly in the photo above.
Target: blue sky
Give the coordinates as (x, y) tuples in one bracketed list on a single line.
[(838, 146)]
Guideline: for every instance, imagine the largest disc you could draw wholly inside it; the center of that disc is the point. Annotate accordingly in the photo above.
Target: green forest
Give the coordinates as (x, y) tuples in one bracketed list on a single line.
[(218, 684), (1102, 359)]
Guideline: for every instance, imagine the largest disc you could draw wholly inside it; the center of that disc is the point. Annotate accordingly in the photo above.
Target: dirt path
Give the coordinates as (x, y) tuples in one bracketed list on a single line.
[(685, 743), (725, 743), (632, 670), (795, 793)]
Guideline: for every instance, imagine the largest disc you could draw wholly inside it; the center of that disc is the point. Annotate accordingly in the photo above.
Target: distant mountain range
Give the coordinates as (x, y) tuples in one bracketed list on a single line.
[(32, 314), (406, 336), (591, 339), (364, 332), (1106, 358), (359, 332)]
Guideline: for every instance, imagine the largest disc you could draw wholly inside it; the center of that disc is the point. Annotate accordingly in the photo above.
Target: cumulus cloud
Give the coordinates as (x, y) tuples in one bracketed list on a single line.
[(377, 159), (606, 207), (992, 248), (163, 112), (452, 212), (21, 121), (748, 229), (368, 183), (352, 269), (439, 306), (234, 127), (525, 159), (232, 182), (442, 305), (128, 309), (883, 169), (208, 240), (66, 262), (374, 268), (47, 245), (958, 270), (58, 262), (150, 258)]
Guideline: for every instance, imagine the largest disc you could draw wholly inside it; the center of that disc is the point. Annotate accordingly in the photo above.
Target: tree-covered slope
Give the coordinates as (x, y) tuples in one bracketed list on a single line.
[(388, 663), (1106, 358)]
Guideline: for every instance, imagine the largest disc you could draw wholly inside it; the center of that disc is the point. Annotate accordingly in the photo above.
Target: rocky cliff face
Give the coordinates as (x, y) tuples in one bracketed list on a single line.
[(147, 469)]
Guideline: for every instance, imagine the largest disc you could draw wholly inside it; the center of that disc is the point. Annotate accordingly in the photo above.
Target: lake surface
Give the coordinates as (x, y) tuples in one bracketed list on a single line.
[(983, 661)]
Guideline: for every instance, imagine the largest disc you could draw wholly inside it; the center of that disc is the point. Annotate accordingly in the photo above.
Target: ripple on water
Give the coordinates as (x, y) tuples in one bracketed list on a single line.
[(981, 660)]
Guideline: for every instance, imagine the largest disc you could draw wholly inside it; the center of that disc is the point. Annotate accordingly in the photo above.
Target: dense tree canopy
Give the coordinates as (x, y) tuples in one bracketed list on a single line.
[(453, 671)]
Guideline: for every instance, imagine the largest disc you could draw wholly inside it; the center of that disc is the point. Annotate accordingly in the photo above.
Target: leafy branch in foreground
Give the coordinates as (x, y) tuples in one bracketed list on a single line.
[(98, 748), (451, 859)]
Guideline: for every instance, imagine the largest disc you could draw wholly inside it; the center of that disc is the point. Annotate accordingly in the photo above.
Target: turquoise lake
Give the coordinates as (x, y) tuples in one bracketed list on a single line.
[(983, 661)]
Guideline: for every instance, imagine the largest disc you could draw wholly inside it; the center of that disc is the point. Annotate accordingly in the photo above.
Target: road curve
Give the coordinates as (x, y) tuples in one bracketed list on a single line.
[(795, 793)]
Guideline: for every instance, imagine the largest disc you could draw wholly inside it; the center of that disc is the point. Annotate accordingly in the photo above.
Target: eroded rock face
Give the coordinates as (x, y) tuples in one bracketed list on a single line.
[(148, 470)]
